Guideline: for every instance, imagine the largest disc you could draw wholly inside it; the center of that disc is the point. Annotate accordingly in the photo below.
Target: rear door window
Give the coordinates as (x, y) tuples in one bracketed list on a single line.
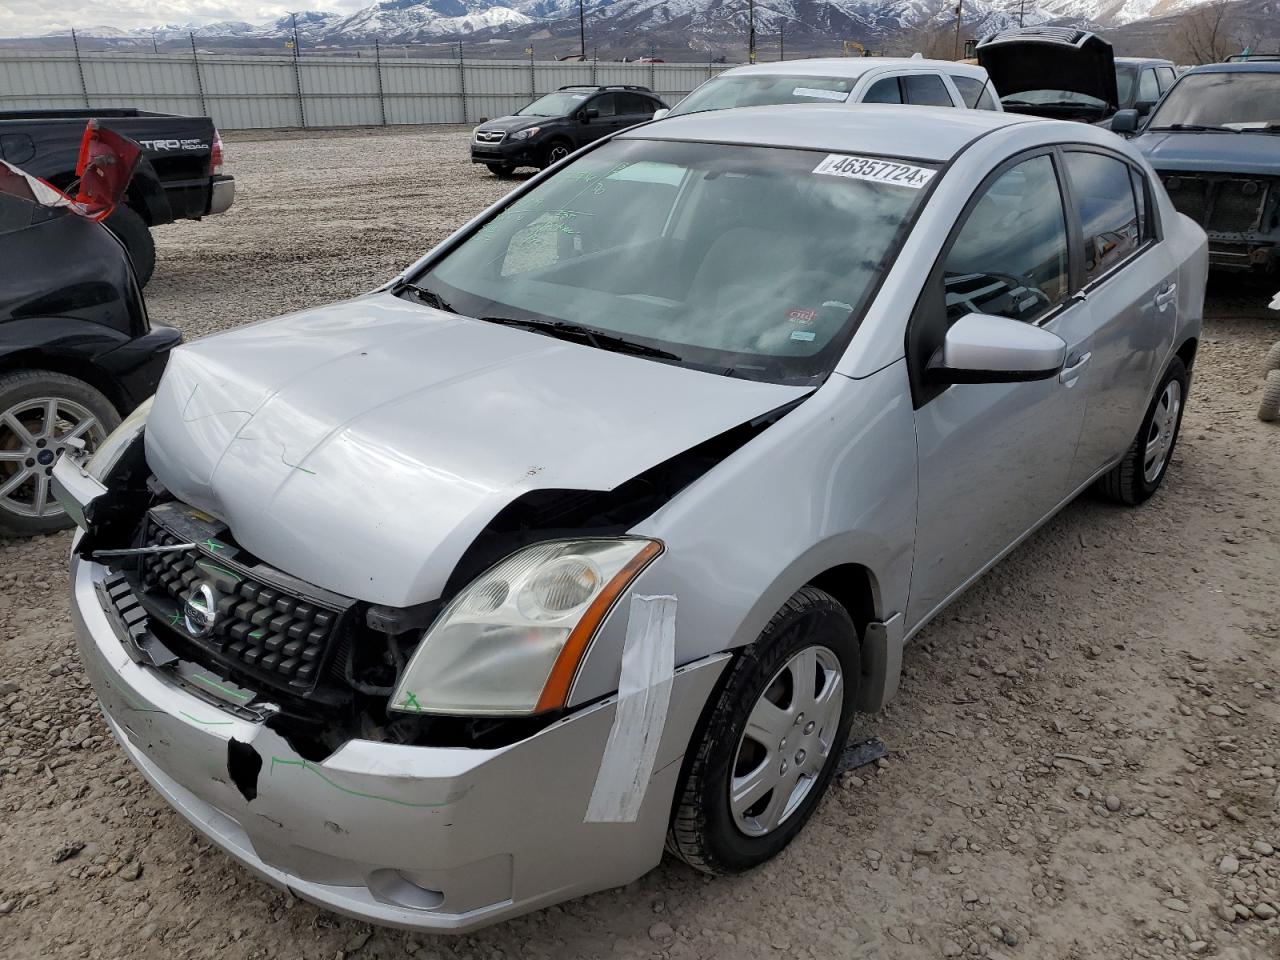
[(926, 90), (635, 104), (606, 103), (885, 90), (971, 90), (1166, 76), (1102, 189)]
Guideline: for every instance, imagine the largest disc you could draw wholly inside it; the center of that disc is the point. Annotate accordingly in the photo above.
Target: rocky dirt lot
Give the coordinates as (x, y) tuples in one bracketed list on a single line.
[(1082, 761)]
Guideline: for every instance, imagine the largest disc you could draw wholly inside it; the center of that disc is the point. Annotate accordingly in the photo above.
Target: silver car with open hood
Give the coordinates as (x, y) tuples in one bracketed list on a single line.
[(596, 529)]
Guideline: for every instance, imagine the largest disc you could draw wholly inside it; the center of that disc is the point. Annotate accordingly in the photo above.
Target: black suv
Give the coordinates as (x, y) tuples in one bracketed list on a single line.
[(552, 127)]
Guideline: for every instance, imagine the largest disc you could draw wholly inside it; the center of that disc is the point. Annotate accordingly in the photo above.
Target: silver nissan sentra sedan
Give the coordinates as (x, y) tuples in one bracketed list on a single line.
[(594, 530)]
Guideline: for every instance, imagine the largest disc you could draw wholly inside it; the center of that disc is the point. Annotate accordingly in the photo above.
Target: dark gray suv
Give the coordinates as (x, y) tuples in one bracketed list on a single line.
[(552, 127)]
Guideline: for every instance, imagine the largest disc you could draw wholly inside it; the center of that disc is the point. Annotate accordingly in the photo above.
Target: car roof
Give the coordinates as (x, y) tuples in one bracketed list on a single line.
[(923, 133), (853, 67), (1242, 66), (1145, 61)]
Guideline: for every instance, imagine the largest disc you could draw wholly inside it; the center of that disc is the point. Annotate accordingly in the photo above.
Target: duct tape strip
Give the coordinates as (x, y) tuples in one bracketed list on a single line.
[(644, 693)]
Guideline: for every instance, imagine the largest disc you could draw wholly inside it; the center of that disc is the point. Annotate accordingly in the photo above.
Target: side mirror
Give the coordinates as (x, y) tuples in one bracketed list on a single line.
[(659, 114), (981, 348), (589, 114), (1125, 121), (1144, 107)]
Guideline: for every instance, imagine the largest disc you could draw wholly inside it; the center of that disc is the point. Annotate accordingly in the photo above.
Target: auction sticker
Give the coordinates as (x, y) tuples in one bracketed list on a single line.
[(878, 171)]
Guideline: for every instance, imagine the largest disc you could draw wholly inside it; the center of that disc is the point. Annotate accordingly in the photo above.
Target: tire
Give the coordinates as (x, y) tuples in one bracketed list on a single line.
[(557, 150), (502, 170), (705, 830), (24, 398), (1269, 408), (1273, 358), (129, 227), (1138, 475)]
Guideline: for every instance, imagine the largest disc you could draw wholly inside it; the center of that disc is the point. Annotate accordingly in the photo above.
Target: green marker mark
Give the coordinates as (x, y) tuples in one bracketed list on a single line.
[(212, 544), (207, 723), (206, 565), (306, 765), (214, 684), (174, 618), (258, 633), (411, 700)]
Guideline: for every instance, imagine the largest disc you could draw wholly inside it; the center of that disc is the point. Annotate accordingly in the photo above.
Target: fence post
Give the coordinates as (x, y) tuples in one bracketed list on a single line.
[(533, 92), (462, 82), (84, 87), (382, 100), (652, 81), (594, 71), (195, 60), (297, 73)]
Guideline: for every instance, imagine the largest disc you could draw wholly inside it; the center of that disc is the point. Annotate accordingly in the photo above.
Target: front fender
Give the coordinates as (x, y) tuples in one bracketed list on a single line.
[(831, 483)]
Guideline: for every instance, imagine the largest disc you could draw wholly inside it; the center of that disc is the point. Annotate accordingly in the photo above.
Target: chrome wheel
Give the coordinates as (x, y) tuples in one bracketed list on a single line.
[(33, 433), (1164, 426), (557, 153), (788, 737)]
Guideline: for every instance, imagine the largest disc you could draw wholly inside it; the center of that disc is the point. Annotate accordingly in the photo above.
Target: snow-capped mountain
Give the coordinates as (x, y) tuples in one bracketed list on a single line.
[(695, 22)]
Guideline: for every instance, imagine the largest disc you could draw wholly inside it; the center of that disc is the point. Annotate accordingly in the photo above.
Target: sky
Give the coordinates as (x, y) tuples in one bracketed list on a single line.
[(34, 17)]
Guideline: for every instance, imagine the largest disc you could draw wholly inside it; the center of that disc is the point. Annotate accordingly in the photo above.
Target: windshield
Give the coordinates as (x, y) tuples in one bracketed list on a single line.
[(556, 104), (757, 90), (1233, 101), (748, 261)]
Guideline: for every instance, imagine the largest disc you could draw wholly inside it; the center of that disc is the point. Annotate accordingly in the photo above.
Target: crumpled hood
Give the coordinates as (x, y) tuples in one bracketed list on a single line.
[(362, 446), (1254, 154)]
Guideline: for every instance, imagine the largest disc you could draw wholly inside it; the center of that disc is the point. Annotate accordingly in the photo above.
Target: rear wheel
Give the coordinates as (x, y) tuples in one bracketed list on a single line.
[(767, 749), (1269, 408), (40, 411), (131, 230), (503, 170), (1138, 475)]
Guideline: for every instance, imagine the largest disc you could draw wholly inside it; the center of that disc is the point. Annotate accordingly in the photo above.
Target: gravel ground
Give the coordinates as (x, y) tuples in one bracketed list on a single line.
[(1082, 758)]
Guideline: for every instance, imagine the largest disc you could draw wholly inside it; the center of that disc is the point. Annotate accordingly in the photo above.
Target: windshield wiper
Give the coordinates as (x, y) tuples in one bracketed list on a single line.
[(1195, 128), (429, 297), (595, 338)]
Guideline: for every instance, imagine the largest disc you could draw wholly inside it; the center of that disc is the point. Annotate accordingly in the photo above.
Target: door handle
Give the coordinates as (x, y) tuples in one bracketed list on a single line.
[(1165, 296), (1069, 374)]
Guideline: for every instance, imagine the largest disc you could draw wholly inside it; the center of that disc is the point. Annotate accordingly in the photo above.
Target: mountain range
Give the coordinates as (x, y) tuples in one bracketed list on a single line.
[(699, 25)]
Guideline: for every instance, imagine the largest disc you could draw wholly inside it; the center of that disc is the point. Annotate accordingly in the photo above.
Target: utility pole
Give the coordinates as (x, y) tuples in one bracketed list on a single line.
[(1022, 12), (582, 31), (751, 31), (959, 20), (782, 30)]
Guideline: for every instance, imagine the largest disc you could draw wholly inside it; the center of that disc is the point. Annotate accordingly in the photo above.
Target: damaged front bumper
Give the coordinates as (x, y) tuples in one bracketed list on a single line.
[(441, 839)]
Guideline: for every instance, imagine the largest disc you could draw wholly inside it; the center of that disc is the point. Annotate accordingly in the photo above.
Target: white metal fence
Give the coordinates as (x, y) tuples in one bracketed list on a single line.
[(253, 91)]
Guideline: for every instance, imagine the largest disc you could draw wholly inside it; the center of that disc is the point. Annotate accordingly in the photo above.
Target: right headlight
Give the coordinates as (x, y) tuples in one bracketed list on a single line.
[(118, 441), (511, 642)]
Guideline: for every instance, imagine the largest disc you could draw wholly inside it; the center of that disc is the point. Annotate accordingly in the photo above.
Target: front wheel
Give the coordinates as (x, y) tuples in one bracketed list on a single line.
[(1138, 475), (556, 152), (502, 170), (40, 411), (767, 748)]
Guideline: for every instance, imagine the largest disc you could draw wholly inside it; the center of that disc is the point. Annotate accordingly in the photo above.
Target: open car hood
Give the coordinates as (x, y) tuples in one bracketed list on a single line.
[(362, 446), (1050, 58)]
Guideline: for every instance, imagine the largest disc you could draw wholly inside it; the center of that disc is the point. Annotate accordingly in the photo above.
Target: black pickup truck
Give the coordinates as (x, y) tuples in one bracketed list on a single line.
[(179, 178)]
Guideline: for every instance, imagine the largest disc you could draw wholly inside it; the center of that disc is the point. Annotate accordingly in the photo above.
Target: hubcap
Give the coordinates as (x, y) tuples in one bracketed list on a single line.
[(32, 435), (787, 740), (1163, 428), (557, 154)]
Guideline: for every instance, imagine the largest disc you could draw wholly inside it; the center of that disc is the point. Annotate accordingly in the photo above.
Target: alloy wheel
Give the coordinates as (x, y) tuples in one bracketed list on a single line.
[(33, 433), (1160, 435), (556, 154), (787, 740)]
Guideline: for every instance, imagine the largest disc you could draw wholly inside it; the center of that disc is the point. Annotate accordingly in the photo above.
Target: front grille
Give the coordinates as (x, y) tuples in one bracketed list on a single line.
[(1219, 204), (1237, 205), (261, 626), (489, 136)]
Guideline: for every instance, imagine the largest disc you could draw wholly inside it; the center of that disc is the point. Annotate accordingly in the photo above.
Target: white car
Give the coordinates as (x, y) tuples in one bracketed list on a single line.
[(910, 80)]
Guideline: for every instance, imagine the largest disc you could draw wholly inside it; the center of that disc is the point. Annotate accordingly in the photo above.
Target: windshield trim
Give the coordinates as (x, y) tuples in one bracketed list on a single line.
[(835, 351)]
